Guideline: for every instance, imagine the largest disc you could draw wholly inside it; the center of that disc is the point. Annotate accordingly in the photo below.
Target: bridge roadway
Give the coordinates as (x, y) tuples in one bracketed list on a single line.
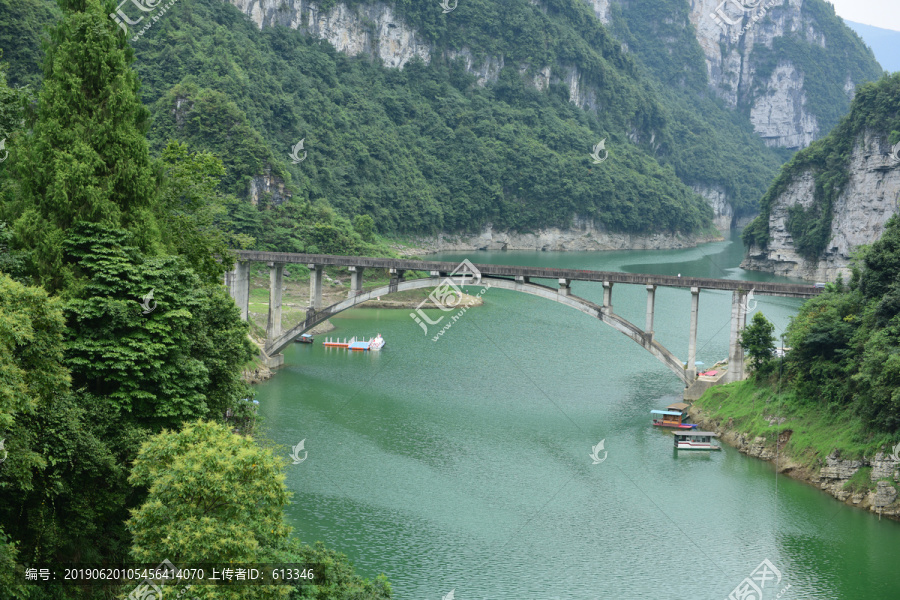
[(761, 288)]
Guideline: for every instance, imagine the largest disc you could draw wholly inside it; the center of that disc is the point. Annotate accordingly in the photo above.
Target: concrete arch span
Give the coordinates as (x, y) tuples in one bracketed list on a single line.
[(603, 314)]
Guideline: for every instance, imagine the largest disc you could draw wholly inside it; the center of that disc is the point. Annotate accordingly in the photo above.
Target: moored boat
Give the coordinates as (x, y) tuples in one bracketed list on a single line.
[(675, 415), (304, 339), (376, 343), (670, 418), (695, 440)]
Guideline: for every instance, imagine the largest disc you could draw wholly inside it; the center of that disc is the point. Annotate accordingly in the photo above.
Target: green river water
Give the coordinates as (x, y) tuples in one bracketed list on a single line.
[(464, 464)]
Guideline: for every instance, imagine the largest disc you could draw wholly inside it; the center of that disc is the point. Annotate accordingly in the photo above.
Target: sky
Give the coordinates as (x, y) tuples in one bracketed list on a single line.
[(879, 13)]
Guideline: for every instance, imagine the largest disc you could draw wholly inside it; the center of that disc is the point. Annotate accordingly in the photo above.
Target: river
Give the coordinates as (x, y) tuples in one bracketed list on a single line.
[(464, 463)]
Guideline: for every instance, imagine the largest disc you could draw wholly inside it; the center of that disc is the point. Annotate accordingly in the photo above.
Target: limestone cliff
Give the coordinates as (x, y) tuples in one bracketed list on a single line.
[(375, 30), (859, 213), (738, 38), (371, 28)]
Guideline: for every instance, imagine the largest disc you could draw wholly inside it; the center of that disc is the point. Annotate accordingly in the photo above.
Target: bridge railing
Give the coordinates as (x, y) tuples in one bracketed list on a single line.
[(759, 287)]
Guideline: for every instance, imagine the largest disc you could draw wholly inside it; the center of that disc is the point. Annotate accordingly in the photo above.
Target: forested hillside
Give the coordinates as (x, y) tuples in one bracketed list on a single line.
[(845, 346), (126, 428), (427, 149)]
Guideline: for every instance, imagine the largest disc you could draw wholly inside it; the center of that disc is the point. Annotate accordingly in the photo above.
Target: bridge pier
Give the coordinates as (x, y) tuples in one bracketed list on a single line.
[(735, 350), (565, 287), (607, 297), (356, 281), (238, 283), (651, 301), (692, 341), (276, 285), (396, 278), (316, 273)]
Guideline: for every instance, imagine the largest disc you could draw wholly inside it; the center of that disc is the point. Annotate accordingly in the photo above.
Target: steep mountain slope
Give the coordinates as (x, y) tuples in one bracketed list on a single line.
[(558, 48), (790, 65), (885, 44), (835, 195), (488, 125)]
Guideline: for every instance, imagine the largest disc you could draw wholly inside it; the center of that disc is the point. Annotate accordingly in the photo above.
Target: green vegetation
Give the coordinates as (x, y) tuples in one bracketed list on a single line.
[(750, 407), (758, 342), (426, 148), (839, 385), (825, 66), (875, 110), (122, 411)]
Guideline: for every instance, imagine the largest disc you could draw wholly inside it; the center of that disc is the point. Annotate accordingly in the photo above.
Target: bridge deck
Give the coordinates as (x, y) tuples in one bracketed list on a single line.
[(759, 287)]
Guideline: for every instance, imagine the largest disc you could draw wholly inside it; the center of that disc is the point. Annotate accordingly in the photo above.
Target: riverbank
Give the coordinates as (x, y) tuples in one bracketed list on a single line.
[(582, 237), (824, 448)]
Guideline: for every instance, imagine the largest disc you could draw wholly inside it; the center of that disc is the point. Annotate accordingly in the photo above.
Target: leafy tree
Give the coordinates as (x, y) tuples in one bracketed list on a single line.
[(882, 262), (214, 497), (31, 345), (335, 578), (758, 341), (191, 212), (364, 225), (217, 497), (62, 485), (87, 160), (164, 360)]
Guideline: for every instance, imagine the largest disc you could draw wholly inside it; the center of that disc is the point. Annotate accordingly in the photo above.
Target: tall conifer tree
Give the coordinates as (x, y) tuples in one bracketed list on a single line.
[(87, 160)]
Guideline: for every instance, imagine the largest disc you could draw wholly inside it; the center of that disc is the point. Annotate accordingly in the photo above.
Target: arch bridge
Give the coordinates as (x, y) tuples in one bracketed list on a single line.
[(515, 278)]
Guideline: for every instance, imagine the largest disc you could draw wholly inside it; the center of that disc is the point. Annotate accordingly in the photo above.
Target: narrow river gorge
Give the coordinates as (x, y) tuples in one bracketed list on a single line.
[(464, 463)]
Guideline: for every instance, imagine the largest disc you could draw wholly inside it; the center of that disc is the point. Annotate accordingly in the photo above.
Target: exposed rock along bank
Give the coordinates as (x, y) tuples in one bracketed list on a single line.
[(583, 238), (860, 213), (830, 477)]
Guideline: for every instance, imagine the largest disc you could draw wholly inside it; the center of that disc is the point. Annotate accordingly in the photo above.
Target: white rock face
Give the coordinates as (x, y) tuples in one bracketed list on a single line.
[(580, 236), (723, 213), (369, 29), (601, 9), (268, 184), (860, 212), (727, 32), (779, 115)]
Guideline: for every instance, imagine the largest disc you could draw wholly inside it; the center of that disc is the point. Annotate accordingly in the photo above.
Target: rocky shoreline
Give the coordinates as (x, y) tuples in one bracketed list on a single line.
[(831, 476), (581, 237)]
